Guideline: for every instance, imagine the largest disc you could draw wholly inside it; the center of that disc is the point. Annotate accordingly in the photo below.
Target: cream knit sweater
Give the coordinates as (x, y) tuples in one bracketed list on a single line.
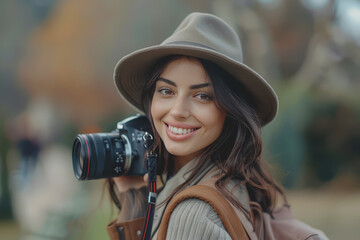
[(192, 218), (195, 219)]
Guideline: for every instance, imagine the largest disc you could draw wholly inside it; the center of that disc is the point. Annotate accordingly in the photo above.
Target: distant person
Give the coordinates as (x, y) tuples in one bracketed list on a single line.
[(29, 150)]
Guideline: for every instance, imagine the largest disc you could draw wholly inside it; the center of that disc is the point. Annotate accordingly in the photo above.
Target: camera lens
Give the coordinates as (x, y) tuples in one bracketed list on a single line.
[(101, 155)]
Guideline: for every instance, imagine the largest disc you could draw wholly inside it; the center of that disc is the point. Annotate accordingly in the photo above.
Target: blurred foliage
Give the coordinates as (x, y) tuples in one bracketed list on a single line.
[(333, 137)]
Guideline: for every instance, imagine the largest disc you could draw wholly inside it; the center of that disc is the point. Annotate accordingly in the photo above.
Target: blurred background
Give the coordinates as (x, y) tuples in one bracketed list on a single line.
[(56, 65)]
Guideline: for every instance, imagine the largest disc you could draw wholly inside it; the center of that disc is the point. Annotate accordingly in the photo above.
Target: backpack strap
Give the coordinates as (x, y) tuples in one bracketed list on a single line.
[(222, 207), (128, 230)]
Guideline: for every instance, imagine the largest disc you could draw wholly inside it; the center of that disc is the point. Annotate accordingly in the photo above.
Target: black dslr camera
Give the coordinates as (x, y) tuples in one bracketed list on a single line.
[(120, 152)]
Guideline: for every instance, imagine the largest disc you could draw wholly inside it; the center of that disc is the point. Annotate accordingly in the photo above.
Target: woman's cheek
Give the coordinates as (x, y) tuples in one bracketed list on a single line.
[(157, 112)]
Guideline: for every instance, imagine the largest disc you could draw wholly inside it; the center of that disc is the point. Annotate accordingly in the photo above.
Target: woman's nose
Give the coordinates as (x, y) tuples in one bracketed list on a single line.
[(180, 107)]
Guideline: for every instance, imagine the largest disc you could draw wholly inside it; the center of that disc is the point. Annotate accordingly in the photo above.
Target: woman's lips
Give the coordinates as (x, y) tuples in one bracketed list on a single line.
[(180, 132)]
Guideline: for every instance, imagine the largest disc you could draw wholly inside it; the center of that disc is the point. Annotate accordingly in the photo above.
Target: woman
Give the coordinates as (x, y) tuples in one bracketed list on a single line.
[(206, 109)]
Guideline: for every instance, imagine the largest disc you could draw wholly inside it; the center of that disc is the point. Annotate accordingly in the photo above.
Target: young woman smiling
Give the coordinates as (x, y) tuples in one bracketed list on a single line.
[(206, 108), (183, 110)]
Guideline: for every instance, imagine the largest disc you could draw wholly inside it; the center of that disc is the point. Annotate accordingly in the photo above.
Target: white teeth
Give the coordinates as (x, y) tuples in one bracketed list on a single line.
[(180, 130)]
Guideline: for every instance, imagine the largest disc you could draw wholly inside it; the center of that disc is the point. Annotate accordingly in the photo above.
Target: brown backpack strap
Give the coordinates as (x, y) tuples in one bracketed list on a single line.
[(222, 207), (129, 230)]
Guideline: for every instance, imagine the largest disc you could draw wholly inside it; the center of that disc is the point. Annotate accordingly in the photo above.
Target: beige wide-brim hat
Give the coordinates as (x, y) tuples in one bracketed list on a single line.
[(200, 35)]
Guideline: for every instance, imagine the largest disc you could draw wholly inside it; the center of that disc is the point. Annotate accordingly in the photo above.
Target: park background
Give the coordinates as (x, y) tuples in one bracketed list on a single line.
[(56, 65)]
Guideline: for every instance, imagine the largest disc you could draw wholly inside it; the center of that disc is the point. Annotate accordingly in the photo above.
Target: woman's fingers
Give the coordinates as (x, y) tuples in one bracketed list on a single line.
[(146, 178)]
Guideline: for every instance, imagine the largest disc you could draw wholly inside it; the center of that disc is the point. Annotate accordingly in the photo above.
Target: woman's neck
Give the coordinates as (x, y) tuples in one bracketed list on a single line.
[(180, 161)]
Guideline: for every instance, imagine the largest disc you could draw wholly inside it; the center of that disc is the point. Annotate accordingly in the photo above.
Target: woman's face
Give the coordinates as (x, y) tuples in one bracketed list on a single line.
[(184, 111)]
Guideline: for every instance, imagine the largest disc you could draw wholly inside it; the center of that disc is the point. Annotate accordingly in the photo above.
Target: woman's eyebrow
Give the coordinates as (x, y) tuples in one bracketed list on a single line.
[(167, 81), (191, 87), (199, 85)]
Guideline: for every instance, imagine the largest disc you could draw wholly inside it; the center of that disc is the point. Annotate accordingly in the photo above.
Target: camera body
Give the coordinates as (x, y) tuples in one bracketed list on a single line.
[(120, 152)]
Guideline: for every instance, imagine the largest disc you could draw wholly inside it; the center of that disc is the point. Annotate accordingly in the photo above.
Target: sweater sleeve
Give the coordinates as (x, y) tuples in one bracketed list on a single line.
[(195, 219)]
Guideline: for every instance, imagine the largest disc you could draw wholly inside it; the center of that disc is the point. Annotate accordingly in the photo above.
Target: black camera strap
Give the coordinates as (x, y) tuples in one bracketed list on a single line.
[(151, 162)]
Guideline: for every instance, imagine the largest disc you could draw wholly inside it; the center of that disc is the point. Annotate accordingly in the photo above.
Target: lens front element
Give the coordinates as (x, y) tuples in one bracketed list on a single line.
[(81, 157)]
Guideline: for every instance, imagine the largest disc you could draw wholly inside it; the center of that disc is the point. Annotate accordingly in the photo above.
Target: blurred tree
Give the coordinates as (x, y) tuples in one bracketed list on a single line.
[(332, 138), (290, 27)]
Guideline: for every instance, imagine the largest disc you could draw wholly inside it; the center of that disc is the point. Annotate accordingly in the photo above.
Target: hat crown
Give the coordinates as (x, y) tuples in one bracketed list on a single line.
[(207, 31)]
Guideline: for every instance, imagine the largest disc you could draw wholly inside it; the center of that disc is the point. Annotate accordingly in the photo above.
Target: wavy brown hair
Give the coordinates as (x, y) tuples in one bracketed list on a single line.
[(237, 151)]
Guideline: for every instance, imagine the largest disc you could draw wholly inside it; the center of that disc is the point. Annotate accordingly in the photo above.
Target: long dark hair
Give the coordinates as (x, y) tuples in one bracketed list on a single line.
[(237, 151)]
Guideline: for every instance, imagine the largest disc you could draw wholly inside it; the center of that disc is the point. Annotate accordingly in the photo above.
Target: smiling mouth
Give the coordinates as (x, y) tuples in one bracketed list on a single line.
[(180, 131)]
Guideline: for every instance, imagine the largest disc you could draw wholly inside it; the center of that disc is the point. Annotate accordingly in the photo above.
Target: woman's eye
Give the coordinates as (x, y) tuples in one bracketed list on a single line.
[(203, 96), (165, 91)]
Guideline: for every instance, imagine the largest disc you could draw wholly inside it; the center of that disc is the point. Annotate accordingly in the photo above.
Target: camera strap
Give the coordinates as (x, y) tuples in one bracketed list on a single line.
[(151, 162)]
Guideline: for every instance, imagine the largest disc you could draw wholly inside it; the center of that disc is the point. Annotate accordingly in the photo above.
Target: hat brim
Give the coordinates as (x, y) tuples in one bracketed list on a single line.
[(133, 70)]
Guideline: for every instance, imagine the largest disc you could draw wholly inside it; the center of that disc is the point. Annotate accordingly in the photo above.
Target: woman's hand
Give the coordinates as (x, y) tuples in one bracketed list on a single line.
[(124, 183), (132, 196)]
